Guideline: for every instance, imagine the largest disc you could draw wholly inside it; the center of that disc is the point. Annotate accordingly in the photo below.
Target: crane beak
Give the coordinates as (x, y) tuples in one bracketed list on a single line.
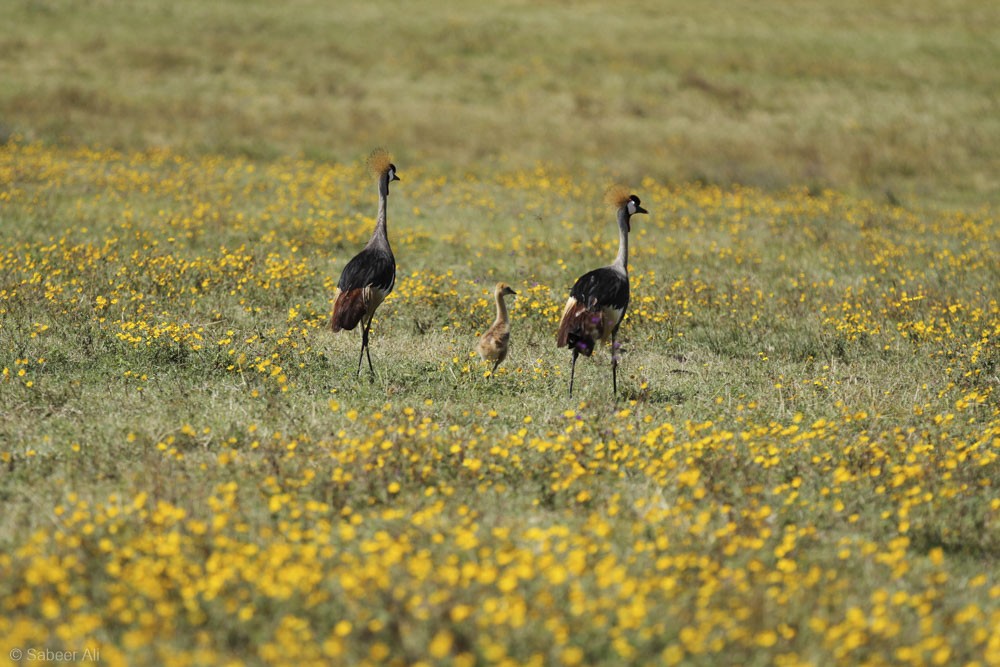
[(639, 209)]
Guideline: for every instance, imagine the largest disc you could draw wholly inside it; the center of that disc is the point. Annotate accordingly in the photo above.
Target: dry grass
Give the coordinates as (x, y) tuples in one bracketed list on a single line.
[(867, 97)]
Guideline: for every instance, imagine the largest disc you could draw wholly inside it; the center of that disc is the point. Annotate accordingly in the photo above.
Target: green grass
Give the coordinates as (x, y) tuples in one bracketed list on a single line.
[(872, 98), (800, 468), (801, 465)]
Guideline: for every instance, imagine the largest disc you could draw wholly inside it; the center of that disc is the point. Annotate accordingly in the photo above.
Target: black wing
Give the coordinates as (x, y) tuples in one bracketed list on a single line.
[(601, 288), (369, 267)]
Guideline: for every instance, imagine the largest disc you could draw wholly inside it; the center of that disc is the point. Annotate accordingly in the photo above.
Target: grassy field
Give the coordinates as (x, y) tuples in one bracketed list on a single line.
[(801, 467)]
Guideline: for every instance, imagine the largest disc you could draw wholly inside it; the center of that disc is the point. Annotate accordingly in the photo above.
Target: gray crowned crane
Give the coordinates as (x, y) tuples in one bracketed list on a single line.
[(599, 298), (370, 275), (493, 344)]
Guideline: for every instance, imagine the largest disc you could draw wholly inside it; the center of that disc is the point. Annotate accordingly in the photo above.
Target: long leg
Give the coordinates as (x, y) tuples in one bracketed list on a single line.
[(494, 369), (572, 371), (614, 365), (364, 346), (368, 353)]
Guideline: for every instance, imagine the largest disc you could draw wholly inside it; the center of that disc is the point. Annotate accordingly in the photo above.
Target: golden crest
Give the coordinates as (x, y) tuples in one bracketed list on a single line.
[(379, 161), (617, 195)]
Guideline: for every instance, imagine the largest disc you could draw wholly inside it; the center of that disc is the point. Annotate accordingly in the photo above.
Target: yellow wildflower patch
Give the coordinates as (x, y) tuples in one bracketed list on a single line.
[(801, 468)]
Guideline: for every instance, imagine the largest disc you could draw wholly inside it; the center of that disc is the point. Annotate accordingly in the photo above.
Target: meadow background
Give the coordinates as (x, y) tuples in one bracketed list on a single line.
[(802, 464)]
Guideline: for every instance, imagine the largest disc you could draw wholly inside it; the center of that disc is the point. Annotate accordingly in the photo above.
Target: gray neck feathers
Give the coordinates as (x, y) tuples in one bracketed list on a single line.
[(380, 238), (621, 261)]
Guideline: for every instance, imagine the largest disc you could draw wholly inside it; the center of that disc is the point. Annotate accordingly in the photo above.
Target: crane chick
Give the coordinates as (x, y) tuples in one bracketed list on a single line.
[(493, 344)]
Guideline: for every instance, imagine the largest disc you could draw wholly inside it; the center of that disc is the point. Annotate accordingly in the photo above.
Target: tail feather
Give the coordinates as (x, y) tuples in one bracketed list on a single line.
[(348, 310), (580, 328), (581, 343)]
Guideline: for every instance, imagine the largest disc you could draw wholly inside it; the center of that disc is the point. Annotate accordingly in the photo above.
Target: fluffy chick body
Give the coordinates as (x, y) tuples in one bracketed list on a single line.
[(495, 343)]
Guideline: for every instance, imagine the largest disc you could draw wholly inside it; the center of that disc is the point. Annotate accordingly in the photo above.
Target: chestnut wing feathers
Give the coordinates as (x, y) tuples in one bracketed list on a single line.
[(350, 307)]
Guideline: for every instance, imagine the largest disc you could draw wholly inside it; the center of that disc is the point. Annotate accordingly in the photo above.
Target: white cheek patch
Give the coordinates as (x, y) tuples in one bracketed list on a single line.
[(631, 207)]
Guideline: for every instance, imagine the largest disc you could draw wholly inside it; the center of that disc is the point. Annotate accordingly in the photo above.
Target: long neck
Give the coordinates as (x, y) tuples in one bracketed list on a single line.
[(501, 308), (380, 237), (621, 260)]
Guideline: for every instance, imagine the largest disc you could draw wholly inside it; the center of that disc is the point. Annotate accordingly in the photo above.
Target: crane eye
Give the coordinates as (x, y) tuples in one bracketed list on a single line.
[(634, 205)]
